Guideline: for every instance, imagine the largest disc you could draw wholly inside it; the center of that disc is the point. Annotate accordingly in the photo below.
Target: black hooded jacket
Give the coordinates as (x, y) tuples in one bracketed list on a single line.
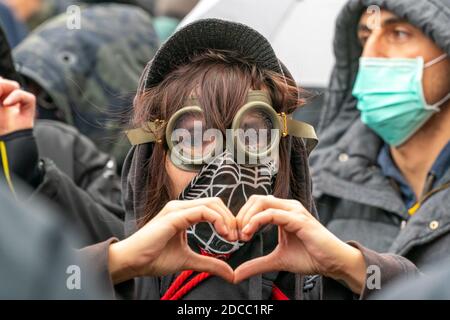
[(76, 161)]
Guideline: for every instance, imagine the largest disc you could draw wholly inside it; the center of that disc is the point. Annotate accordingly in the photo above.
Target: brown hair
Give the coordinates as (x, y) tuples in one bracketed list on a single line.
[(221, 81)]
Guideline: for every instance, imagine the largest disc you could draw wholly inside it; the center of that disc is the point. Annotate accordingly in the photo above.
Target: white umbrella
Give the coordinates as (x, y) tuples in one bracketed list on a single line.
[(301, 31)]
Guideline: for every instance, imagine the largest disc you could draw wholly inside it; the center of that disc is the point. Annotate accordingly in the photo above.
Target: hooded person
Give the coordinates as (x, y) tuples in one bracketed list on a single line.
[(216, 155), (382, 121), (86, 76), (62, 146), (195, 50)]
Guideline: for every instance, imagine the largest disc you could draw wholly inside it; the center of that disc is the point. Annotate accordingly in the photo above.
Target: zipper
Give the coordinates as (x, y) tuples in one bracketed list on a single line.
[(427, 194)]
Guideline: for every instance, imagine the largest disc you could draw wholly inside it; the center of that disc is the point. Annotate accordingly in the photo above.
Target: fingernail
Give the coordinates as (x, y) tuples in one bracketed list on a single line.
[(246, 228), (233, 235)]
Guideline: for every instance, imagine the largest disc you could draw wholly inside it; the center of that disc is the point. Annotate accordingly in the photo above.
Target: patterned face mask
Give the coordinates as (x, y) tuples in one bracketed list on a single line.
[(234, 184)]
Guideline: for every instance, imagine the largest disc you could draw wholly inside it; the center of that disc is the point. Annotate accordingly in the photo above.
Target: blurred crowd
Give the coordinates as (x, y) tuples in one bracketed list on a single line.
[(94, 191)]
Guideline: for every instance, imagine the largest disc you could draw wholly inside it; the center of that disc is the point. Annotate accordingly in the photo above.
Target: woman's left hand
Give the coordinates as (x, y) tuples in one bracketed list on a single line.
[(17, 107), (305, 245)]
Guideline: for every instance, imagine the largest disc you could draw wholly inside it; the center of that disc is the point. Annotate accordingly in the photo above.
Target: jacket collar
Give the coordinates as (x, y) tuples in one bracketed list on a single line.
[(349, 170), (431, 221), (437, 172)]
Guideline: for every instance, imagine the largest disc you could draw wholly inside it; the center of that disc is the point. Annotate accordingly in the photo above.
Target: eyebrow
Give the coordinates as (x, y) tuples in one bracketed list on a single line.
[(393, 20), (390, 21)]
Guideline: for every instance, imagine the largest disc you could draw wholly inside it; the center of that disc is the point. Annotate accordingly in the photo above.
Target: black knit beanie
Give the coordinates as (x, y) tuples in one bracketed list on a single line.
[(210, 34)]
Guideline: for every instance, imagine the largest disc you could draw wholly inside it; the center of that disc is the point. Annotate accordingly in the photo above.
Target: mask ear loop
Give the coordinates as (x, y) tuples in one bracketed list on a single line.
[(435, 60), (436, 105)]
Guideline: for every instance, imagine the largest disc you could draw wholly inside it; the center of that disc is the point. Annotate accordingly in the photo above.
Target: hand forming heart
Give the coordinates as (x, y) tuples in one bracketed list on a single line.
[(17, 107), (305, 246)]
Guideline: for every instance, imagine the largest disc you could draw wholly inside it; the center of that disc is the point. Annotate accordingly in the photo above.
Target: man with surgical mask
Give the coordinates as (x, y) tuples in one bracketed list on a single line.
[(382, 169)]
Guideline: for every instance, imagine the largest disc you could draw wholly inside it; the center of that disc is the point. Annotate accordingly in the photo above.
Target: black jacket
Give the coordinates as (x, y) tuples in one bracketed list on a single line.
[(78, 163)]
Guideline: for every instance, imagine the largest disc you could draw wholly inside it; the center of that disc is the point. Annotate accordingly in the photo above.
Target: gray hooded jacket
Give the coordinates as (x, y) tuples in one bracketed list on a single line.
[(354, 199)]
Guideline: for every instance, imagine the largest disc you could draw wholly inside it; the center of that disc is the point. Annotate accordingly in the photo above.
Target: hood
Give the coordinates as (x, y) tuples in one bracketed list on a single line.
[(339, 112), (344, 164), (91, 73)]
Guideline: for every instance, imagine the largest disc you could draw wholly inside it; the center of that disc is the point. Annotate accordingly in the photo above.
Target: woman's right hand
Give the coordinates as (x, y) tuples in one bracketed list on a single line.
[(160, 247)]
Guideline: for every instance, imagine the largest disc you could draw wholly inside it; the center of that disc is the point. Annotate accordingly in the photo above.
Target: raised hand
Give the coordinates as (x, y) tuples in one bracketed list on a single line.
[(305, 246), (161, 248), (17, 107)]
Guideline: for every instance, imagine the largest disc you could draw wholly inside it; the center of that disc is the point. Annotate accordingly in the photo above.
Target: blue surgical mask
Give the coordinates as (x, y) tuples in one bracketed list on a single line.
[(391, 99)]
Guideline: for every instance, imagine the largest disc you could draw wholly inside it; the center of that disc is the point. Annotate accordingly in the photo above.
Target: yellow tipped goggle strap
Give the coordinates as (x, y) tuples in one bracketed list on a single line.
[(256, 99), (5, 164)]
